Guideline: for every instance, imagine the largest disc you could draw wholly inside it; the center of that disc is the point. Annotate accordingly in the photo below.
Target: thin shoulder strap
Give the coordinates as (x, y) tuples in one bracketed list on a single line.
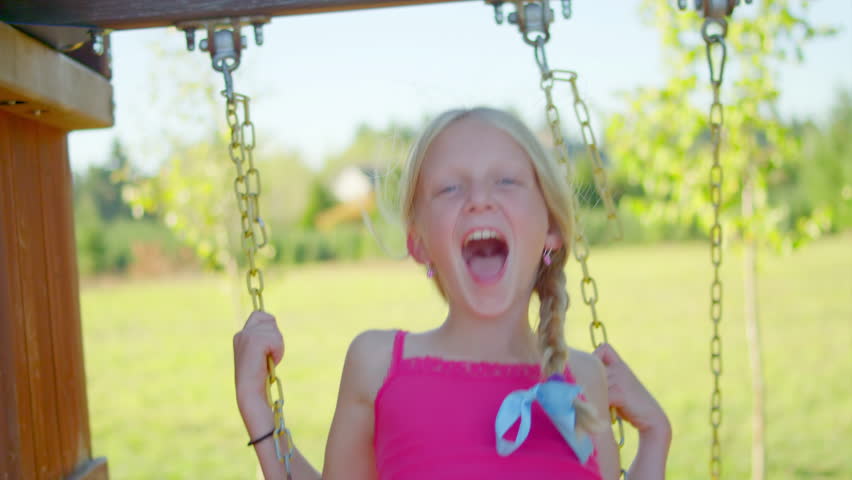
[(398, 348)]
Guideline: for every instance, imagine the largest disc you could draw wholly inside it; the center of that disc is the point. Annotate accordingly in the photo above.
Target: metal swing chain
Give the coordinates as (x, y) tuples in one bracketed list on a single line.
[(253, 238), (588, 286), (598, 172), (716, 120)]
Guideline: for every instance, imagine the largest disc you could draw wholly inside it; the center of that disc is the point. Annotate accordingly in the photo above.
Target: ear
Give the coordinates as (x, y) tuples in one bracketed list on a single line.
[(416, 248), (553, 240)]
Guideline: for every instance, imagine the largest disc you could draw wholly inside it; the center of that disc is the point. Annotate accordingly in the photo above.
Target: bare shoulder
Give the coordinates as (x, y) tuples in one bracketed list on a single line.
[(349, 451), (590, 374), (368, 360)]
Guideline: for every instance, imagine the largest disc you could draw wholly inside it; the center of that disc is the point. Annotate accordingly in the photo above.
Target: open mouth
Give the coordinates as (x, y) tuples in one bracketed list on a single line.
[(485, 251)]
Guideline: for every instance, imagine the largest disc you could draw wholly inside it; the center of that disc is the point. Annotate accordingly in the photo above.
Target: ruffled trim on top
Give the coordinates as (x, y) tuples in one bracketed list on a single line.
[(459, 368)]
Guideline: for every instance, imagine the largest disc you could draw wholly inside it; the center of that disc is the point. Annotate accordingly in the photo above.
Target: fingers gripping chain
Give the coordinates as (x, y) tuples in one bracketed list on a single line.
[(224, 45), (247, 190)]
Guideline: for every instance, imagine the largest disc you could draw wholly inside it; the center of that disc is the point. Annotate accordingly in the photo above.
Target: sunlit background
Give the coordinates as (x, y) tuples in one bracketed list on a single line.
[(336, 100)]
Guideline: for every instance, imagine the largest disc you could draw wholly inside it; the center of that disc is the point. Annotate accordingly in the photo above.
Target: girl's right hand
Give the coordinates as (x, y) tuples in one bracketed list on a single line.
[(258, 339), (630, 397)]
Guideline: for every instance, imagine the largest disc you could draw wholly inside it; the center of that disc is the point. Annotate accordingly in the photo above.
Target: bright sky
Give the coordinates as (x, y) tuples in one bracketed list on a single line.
[(319, 76)]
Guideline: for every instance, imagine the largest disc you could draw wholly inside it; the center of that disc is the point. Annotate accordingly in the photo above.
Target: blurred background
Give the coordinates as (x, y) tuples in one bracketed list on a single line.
[(337, 98)]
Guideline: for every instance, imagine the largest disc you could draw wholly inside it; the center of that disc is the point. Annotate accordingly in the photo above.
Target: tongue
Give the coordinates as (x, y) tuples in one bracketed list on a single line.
[(486, 267), (485, 259)]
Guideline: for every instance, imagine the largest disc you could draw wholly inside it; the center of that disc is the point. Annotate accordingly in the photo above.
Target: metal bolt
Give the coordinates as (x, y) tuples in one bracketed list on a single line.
[(203, 44), (258, 34), (97, 42), (566, 9), (190, 39), (498, 12), (513, 18)]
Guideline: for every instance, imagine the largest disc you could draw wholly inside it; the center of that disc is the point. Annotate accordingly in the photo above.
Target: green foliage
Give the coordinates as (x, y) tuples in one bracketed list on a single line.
[(823, 178), (371, 147), (104, 229), (319, 200), (193, 191), (101, 186), (193, 194), (661, 143), (345, 242), (88, 230)]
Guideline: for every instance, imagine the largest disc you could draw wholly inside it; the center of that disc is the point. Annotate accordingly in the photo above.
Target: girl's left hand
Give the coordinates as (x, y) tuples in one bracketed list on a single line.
[(630, 398)]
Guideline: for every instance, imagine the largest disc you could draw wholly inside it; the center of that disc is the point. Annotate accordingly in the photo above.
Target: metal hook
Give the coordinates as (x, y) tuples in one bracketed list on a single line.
[(229, 83), (541, 56)]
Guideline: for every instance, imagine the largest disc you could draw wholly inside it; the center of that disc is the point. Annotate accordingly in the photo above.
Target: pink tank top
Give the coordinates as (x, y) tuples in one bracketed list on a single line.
[(435, 420)]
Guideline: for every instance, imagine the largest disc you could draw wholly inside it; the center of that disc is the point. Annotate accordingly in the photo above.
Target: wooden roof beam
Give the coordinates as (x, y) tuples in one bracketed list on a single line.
[(40, 83), (122, 15)]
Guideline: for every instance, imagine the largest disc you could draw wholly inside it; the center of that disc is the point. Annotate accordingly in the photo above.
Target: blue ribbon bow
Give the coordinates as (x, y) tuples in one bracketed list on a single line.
[(556, 397)]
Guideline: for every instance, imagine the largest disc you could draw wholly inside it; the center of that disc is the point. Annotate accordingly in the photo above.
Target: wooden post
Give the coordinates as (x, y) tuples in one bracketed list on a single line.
[(44, 428)]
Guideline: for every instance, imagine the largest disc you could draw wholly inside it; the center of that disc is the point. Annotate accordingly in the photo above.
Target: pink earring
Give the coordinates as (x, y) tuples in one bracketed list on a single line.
[(546, 256), (429, 272)]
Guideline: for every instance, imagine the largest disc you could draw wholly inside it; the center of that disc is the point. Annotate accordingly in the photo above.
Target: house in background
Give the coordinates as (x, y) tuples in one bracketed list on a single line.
[(354, 188)]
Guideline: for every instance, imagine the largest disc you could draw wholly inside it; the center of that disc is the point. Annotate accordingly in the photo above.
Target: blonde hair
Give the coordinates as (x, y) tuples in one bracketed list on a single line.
[(550, 280)]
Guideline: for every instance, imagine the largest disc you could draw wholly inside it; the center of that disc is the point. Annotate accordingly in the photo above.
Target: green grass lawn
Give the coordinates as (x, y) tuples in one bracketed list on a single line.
[(160, 375)]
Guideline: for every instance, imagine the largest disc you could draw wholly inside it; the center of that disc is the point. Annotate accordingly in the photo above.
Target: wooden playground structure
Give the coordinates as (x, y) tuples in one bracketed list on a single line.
[(54, 79)]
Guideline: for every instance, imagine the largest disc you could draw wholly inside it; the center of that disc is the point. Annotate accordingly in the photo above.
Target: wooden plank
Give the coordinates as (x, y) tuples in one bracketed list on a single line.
[(61, 281), (56, 89), (60, 38), (18, 436), (92, 470), (26, 188), (44, 431), (120, 14)]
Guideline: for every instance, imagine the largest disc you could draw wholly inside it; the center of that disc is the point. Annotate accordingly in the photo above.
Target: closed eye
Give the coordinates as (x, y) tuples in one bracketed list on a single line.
[(508, 181)]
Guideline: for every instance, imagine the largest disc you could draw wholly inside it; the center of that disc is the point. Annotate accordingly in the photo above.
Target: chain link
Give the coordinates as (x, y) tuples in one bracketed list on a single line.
[(598, 172), (588, 286), (253, 237), (548, 79), (716, 120)]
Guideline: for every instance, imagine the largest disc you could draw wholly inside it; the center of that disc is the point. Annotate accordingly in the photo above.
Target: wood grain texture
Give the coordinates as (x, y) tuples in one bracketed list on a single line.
[(16, 442), (119, 14), (44, 431), (61, 282), (26, 187)]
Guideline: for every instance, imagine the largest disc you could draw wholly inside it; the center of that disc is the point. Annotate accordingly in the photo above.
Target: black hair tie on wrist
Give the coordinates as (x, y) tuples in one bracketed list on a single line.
[(258, 440)]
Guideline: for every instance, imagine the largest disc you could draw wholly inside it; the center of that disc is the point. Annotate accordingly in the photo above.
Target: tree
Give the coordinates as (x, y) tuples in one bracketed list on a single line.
[(319, 200), (193, 191), (662, 145), (372, 147), (824, 176)]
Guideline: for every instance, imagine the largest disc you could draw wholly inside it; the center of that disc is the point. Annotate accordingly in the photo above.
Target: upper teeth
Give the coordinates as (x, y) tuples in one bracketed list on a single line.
[(481, 234)]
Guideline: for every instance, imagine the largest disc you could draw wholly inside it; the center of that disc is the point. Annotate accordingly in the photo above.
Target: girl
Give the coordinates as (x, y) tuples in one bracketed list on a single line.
[(483, 396)]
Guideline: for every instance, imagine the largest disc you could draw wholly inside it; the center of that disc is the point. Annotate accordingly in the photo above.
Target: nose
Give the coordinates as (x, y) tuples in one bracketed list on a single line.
[(480, 199)]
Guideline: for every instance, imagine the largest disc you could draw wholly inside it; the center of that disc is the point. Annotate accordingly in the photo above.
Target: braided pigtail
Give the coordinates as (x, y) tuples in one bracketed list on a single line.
[(553, 299)]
